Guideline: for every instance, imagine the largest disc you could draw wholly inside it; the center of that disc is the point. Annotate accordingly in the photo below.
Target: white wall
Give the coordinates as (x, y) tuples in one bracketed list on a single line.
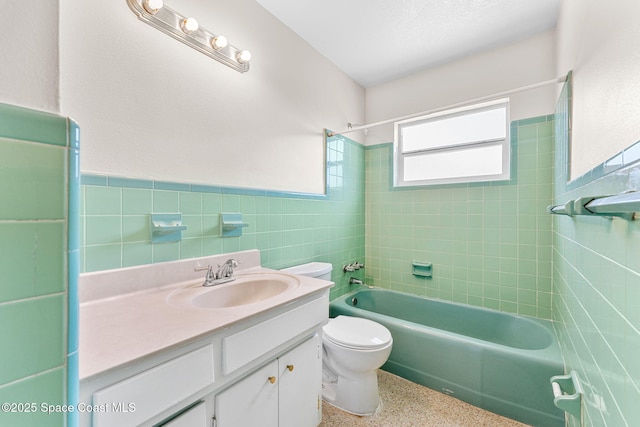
[(29, 54), (150, 107), (599, 41), (519, 64)]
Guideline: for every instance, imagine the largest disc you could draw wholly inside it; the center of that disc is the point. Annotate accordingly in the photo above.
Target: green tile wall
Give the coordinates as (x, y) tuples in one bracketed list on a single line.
[(287, 228), (596, 285), (33, 273), (32, 337), (46, 387), (490, 244)]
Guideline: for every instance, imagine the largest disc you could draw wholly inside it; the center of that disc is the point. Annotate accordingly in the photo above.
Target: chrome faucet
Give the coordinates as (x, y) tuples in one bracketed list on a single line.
[(354, 281), (226, 270), (224, 274)]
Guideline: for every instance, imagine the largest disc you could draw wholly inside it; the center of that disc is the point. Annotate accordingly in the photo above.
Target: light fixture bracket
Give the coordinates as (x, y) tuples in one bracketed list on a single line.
[(169, 22)]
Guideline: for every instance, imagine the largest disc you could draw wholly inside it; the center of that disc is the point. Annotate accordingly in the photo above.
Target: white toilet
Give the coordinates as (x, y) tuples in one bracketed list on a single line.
[(319, 270), (354, 348)]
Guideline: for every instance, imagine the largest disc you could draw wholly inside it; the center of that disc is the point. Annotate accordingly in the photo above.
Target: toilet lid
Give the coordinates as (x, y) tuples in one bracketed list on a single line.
[(356, 332)]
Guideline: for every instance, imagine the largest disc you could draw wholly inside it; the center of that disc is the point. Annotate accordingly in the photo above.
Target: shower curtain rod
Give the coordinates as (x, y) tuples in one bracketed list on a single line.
[(457, 104)]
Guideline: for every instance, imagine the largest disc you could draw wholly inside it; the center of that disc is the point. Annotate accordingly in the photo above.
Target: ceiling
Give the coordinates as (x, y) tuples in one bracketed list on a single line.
[(376, 41)]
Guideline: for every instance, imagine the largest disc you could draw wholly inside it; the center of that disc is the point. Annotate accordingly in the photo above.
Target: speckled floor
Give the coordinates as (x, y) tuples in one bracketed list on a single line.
[(406, 404)]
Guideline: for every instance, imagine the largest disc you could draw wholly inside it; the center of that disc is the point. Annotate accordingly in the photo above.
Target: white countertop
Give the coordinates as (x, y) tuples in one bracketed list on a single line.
[(119, 329)]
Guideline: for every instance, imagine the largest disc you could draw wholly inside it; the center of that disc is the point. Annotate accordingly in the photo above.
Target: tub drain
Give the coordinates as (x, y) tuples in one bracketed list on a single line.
[(354, 300)]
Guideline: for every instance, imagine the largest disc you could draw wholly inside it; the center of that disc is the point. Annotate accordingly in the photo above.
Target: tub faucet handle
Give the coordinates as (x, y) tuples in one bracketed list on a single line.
[(352, 267)]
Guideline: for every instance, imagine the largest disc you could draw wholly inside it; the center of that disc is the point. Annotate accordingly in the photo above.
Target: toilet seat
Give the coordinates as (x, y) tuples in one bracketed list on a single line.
[(356, 333)]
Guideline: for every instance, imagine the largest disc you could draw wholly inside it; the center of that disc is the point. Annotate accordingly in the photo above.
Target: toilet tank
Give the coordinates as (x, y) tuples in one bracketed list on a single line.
[(319, 270)]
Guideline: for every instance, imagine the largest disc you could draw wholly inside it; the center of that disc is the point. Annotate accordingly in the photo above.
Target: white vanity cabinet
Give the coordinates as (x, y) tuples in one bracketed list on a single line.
[(149, 359), (285, 393), (265, 371)]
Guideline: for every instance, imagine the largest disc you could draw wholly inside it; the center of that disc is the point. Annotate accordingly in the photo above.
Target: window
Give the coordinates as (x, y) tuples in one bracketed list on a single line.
[(468, 144)]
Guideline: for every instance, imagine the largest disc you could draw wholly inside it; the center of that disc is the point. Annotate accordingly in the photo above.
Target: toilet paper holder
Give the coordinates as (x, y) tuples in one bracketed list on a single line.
[(567, 393)]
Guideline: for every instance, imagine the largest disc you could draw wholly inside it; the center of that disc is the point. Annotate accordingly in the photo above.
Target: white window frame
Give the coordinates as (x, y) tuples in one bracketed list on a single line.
[(400, 154)]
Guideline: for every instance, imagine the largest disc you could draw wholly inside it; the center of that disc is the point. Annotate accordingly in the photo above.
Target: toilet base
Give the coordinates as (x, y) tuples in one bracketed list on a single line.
[(357, 396)]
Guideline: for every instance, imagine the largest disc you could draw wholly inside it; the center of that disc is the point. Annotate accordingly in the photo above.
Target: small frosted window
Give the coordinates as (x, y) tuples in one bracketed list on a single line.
[(470, 162), (466, 145)]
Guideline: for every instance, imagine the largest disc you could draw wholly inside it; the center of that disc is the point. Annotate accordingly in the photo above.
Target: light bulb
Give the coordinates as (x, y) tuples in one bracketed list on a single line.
[(189, 25), (244, 57), (152, 6), (219, 42)]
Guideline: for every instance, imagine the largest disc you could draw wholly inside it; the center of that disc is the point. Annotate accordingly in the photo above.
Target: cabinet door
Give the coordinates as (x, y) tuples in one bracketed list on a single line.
[(194, 417), (301, 385), (253, 401)]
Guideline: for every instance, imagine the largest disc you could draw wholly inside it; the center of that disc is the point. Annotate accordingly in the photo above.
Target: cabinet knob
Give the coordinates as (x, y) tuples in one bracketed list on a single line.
[(290, 368), (272, 380)]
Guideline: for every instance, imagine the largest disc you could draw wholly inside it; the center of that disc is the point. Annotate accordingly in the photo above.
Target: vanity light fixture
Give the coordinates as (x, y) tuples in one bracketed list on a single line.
[(189, 25), (188, 31), (152, 6), (219, 42), (244, 57)]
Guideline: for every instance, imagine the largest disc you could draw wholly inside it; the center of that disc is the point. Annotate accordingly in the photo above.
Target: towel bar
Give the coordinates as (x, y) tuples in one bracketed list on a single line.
[(624, 205)]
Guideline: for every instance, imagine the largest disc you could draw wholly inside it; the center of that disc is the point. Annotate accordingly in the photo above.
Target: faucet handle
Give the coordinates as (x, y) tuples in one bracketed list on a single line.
[(208, 278), (353, 267)]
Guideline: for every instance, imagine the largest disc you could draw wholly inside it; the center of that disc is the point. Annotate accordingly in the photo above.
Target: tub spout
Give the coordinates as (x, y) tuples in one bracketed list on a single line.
[(354, 281)]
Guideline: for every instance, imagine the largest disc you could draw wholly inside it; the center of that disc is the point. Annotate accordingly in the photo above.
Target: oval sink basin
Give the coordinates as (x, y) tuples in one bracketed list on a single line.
[(246, 289)]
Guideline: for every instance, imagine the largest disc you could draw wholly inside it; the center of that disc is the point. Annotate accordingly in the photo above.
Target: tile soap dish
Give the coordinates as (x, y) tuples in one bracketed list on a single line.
[(231, 224), (166, 228), (422, 269)]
